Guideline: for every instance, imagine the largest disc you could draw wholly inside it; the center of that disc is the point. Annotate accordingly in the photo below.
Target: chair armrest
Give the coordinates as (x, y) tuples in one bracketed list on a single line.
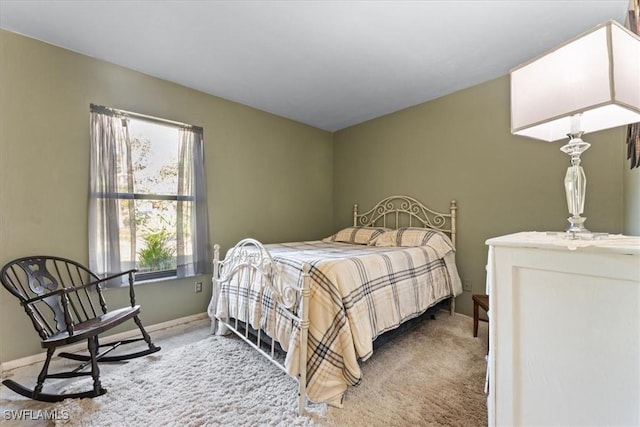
[(43, 296), (97, 282), (132, 295), (64, 301), (76, 288)]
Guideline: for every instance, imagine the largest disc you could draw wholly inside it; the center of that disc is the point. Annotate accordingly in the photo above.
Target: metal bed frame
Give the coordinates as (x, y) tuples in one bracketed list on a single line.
[(250, 260)]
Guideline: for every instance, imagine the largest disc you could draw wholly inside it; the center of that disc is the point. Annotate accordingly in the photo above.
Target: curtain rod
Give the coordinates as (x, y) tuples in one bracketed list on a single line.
[(128, 114)]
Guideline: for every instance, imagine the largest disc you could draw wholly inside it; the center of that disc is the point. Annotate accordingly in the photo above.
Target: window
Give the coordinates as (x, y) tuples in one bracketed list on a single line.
[(147, 207)]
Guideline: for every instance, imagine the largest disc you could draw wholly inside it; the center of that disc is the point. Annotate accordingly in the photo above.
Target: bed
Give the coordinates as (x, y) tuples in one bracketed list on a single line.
[(315, 308)]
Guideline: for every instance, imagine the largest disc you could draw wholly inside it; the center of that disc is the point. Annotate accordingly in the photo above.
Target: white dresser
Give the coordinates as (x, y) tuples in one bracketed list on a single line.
[(564, 330)]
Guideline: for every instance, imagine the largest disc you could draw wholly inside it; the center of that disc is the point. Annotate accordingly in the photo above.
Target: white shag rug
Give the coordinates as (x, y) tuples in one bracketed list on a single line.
[(431, 375)]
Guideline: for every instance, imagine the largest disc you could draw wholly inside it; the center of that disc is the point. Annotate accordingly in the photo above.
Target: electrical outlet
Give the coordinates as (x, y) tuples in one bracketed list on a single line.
[(467, 286), (198, 287)]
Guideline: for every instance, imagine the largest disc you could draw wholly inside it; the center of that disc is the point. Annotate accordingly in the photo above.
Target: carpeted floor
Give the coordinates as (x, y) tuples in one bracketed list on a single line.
[(431, 375)]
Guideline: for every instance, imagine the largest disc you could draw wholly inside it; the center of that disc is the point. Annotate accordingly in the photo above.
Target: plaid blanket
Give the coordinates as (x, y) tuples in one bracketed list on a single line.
[(357, 293)]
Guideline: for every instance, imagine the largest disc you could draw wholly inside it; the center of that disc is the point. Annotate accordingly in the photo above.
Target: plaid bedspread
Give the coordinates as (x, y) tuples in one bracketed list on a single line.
[(357, 293)]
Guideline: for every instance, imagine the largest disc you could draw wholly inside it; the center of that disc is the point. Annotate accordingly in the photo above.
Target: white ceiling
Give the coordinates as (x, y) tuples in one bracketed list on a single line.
[(329, 64)]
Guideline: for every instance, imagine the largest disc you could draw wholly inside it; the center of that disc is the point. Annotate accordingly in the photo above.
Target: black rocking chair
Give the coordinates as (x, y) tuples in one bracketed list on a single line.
[(65, 303)]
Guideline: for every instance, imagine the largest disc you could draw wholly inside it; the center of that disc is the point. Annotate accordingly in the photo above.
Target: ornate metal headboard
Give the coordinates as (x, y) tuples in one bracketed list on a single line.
[(405, 211)]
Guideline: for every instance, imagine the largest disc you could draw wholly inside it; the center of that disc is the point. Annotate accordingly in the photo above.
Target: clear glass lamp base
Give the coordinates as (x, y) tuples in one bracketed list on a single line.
[(576, 225), (576, 230), (575, 185)]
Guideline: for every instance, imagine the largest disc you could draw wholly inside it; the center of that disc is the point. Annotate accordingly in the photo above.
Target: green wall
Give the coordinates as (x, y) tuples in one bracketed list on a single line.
[(268, 177), (460, 147)]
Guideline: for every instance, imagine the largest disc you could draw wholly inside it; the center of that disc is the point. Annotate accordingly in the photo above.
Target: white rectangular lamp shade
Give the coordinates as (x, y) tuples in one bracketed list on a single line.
[(596, 74)]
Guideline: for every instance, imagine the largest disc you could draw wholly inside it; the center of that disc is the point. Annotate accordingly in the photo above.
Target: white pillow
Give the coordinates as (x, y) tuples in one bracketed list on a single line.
[(357, 235), (408, 236)]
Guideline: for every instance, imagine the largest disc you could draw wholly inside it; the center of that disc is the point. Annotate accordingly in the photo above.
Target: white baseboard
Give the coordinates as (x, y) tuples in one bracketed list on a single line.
[(36, 358)]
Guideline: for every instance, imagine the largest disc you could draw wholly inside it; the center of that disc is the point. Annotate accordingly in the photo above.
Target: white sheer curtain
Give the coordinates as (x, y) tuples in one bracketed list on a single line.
[(192, 219), (110, 180)]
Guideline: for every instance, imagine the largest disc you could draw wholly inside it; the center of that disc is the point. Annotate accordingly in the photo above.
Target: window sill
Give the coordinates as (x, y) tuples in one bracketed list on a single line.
[(154, 280)]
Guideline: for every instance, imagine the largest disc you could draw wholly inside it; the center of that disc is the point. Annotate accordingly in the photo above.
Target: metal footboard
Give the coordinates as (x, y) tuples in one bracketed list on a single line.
[(250, 269)]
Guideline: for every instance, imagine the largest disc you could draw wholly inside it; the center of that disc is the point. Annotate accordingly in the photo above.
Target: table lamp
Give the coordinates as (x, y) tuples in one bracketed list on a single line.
[(589, 83)]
